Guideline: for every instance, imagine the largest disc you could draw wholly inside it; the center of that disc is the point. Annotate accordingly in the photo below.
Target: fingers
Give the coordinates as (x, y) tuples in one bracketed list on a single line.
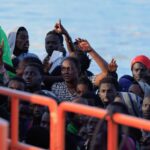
[(81, 40)]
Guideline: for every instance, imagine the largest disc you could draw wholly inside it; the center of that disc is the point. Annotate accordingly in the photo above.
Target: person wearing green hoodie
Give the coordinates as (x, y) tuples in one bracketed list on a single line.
[(6, 65)]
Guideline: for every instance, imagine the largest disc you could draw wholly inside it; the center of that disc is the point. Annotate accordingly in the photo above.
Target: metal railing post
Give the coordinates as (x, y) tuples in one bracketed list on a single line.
[(112, 135), (3, 134), (14, 125)]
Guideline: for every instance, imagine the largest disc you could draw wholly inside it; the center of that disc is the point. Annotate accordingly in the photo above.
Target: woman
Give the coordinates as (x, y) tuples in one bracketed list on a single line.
[(70, 70)]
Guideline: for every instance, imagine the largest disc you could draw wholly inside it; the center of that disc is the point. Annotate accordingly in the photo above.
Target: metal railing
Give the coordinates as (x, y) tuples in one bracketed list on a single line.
[(16, 96), (113, 122), (3, 134), (57, 121)]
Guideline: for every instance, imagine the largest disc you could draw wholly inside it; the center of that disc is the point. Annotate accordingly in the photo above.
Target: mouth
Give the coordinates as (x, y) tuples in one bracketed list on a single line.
[(66, 76), (28, 83), (26, 45)]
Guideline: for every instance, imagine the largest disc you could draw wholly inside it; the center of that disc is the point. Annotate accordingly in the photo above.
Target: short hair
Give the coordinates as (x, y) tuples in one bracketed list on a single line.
[(21, 29), (57, 34), (86, 81), (74, 61), (31, 59), (38, 66), (110, 80)]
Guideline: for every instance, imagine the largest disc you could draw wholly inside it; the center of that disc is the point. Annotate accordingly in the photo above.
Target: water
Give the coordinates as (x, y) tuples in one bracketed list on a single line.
[(118, 29)]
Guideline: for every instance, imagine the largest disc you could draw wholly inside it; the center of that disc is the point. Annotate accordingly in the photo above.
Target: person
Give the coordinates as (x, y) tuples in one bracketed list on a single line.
[(109, 92), (18, 40), (33, 77), (98, 139), (73, 139), (145, 140), (52, 62), (84, 85), (103, 65), (24, 62), (139, 65), (3, 72), (53, 44), (6, 55), (66, 90), (125, 82), (146, 106), (74, 50), (70, 72)]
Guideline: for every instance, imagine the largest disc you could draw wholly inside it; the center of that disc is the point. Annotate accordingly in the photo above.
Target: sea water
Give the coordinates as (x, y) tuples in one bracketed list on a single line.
[(117, 29)]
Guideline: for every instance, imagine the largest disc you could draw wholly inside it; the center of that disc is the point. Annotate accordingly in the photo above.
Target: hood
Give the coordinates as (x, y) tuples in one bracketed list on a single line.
[(12, 39)]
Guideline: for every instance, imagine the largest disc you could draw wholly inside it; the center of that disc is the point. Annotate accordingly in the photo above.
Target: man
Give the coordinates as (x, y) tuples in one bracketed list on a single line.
[(139, 65), (32, 75), (53, 44), (108, 88), (109, 92)]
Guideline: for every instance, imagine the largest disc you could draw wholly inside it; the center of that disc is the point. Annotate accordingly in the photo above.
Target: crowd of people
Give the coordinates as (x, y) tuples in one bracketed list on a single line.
[(64, 75)]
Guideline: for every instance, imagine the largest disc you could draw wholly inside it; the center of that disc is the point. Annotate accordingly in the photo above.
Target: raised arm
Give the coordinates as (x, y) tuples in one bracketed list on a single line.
[(103, 65), (60, 29)]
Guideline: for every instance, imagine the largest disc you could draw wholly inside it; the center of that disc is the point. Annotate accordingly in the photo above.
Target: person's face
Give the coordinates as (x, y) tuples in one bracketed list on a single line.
[(45, 120), (107, 93), (38, 110), (52, 42), (69, 71), (91, 125), (17, 85), (146, 108), (138, 71), (81, 89), (22, 40), (135, 88), (32, 76)]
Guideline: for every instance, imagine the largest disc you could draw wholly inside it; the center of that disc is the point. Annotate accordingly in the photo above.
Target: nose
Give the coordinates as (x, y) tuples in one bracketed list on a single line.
[(28, 76), (106, 94)]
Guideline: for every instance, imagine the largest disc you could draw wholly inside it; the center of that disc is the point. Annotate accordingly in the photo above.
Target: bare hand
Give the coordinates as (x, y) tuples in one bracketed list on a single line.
[(112, 66), (59, 28), (84, 45)]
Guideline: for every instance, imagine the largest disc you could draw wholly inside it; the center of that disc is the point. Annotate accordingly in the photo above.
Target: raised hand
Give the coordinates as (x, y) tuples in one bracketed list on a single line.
[(84, 45), (59, 28), (112, 66)]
